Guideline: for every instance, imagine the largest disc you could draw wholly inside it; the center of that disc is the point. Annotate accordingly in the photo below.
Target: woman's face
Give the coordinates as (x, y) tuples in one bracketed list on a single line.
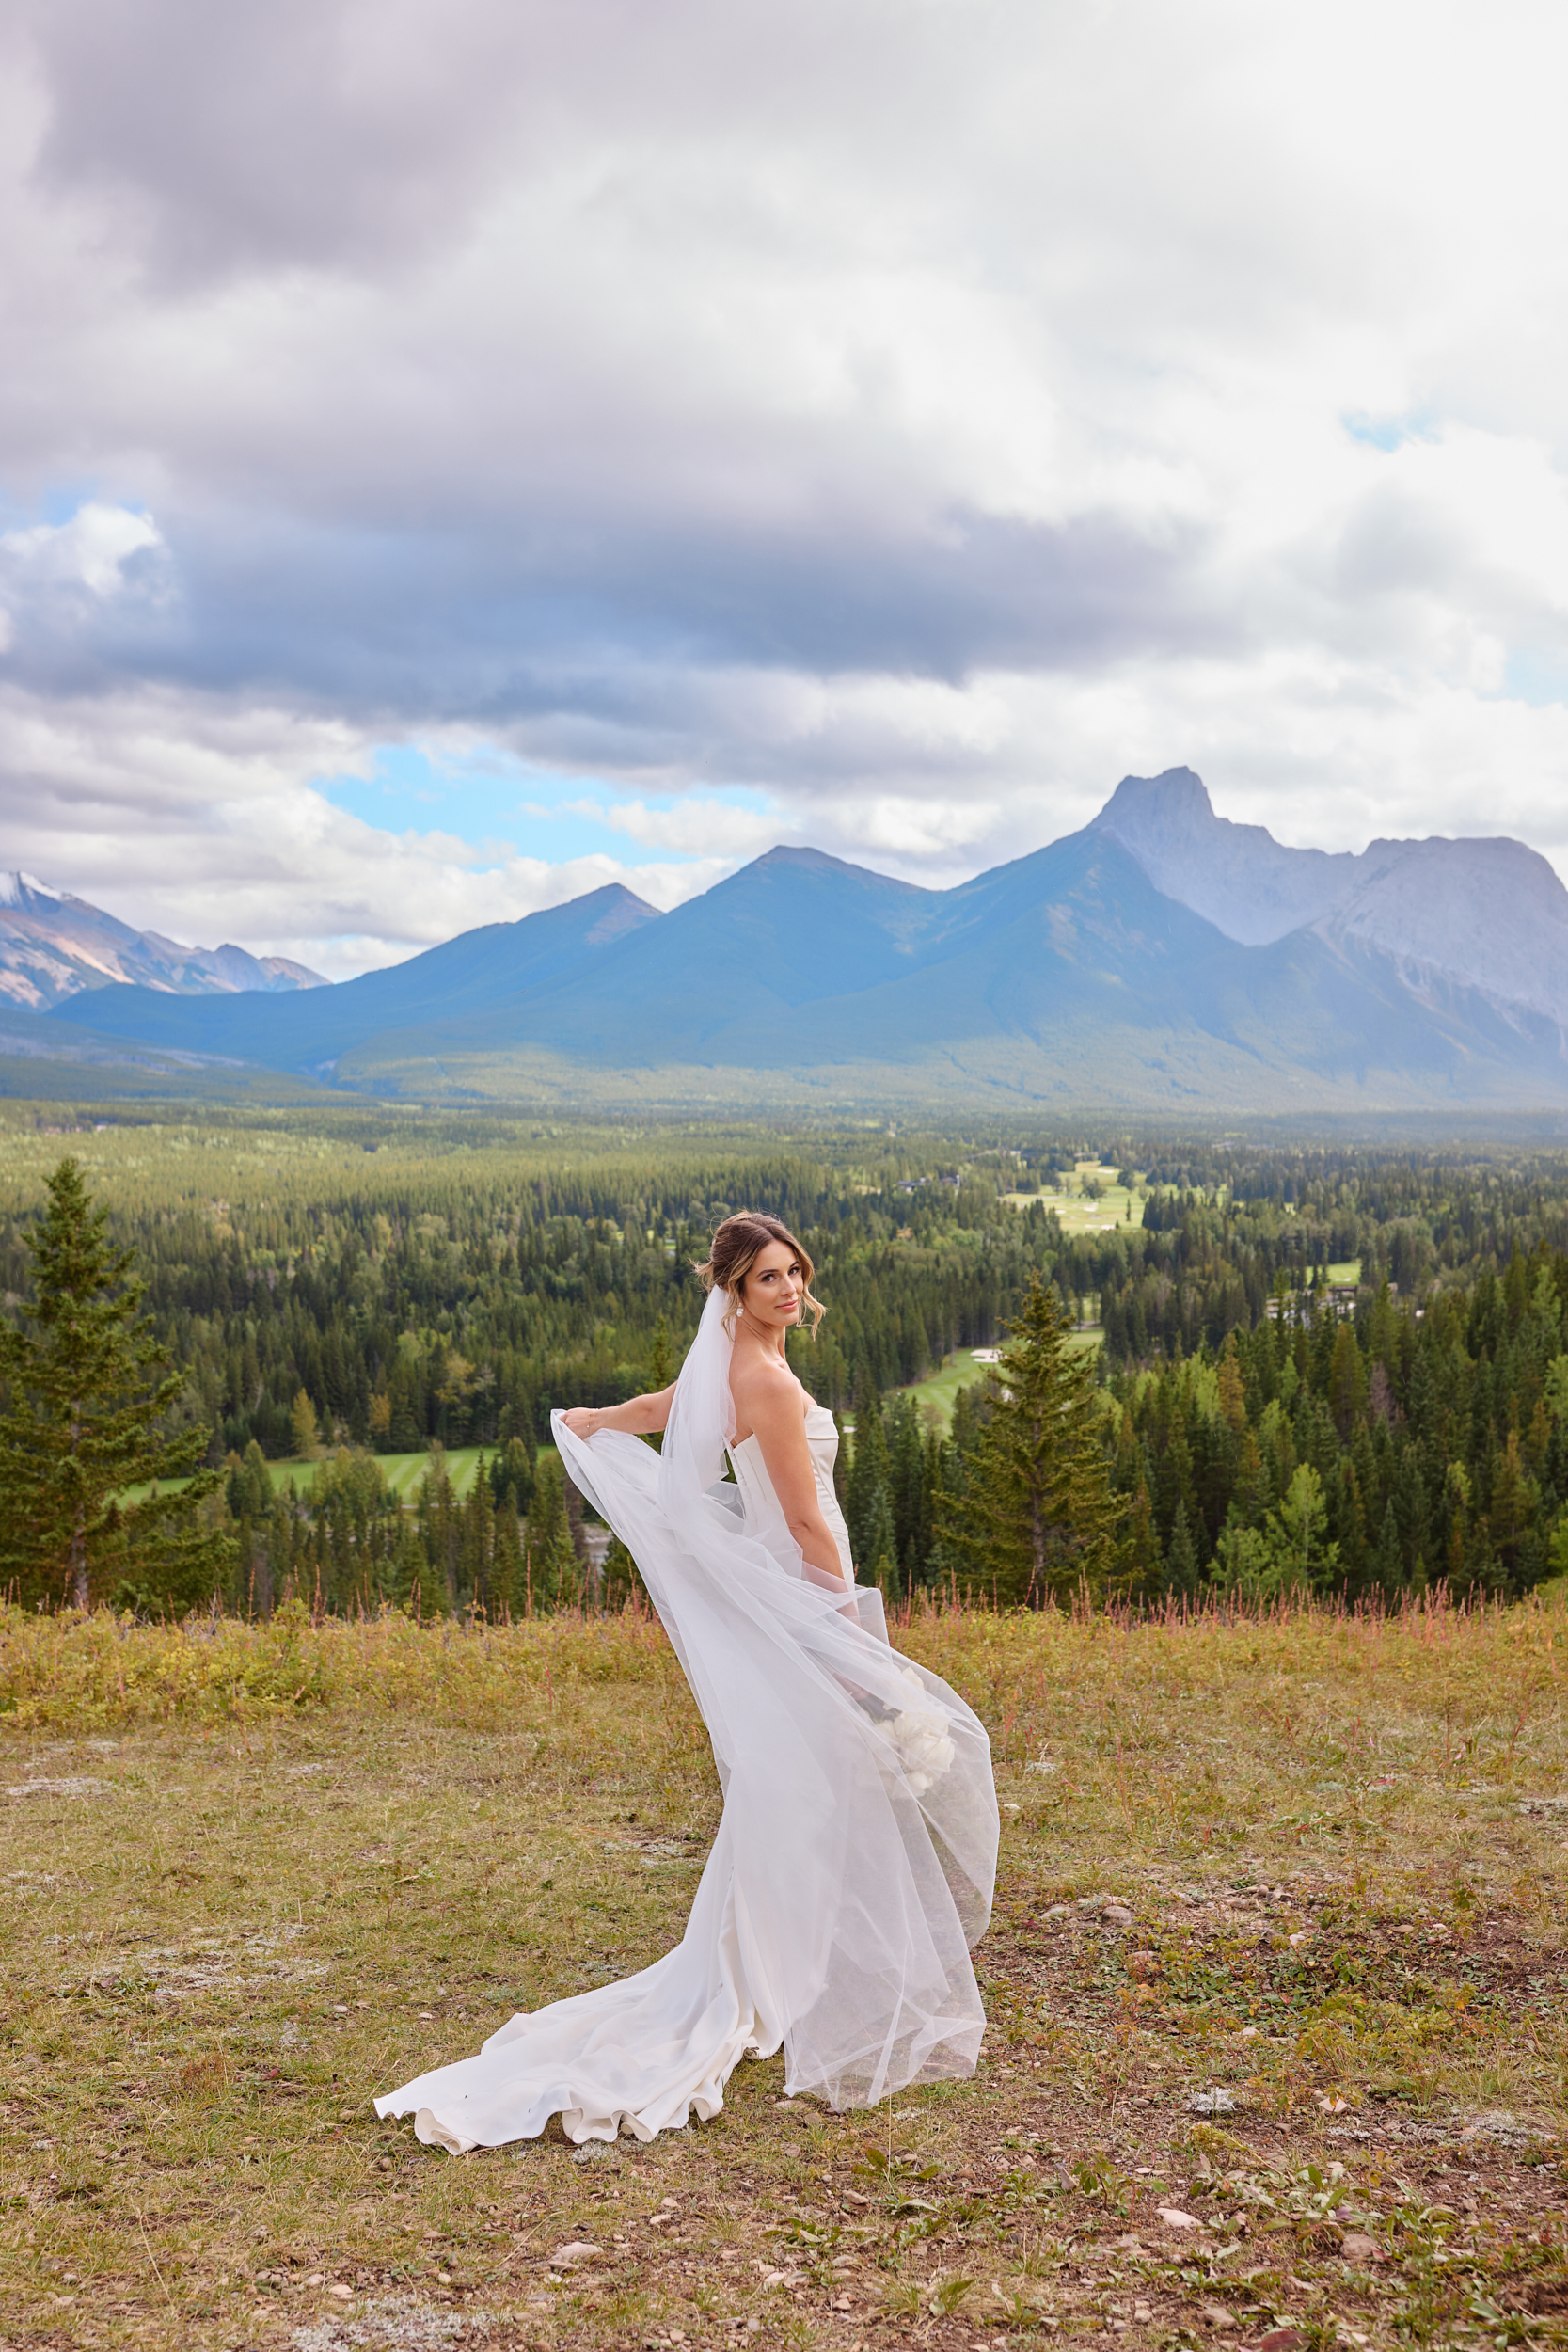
[(773, 1289)]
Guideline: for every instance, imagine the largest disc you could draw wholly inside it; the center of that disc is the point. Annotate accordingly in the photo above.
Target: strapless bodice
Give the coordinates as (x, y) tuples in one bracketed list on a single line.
[(761, 1505)]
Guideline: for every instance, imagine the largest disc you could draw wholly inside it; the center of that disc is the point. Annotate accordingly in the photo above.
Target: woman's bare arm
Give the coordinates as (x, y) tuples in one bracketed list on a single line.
[(640, 1415), (774, 1408)]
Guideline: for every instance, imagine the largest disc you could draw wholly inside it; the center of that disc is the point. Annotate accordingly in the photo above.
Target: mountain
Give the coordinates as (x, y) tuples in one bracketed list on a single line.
[(1487, 916), (54, 946), (1248, 884), (1079, 974), (462, 977)]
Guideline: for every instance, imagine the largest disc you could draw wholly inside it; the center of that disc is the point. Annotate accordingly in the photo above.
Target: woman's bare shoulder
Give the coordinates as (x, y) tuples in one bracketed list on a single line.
[(765, 1395)]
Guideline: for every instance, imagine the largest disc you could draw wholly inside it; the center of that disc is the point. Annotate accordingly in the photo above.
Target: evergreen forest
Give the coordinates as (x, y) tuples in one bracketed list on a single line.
[(1340, 1367)]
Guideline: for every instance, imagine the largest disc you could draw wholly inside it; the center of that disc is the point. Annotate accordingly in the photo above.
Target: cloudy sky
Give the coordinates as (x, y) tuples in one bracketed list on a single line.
[(453, 453)]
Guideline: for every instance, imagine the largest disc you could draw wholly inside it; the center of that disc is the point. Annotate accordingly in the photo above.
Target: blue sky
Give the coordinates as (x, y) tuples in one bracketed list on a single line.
[(492, 803)]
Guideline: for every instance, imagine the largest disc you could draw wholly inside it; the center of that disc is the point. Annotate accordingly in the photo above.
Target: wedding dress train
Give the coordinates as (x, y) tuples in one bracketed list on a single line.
[(856, 1856)]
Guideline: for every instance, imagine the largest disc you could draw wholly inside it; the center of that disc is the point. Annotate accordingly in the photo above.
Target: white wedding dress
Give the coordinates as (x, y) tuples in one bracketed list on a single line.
[(856, 1856)]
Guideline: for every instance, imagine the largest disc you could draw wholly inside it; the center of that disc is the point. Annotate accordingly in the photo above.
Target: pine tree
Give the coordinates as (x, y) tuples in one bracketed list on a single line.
[(867, 1506), (477, 1555), (506, 1574), (907, 1492), (87, 1388), (661, 1369), (1139, 1566), (512, 1476), (553, 1562), (877, 1557), (440, 1525), (1181, 1555), (1036, 1515)]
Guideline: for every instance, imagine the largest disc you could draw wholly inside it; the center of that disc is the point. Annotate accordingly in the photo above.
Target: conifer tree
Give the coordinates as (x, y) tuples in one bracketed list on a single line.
[(1035, 1516), (1182, 1555), (551, 1560), (506, 1573), (867, 1506), (87, 1388), (477, 1554), (907, 1491)]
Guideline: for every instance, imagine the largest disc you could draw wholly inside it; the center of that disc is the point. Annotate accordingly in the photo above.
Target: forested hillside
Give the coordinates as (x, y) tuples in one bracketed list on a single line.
[(384, 1288)]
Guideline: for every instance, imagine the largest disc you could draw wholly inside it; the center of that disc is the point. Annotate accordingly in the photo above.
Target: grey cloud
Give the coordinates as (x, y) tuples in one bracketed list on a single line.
[(430, 628), (360, 134), (862, 400)]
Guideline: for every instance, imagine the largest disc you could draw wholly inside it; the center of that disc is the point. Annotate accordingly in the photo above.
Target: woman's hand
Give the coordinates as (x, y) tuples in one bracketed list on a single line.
[(582, 1421)]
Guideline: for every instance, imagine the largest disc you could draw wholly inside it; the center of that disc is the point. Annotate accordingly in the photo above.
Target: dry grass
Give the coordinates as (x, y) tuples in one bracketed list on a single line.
[(253, 1876)]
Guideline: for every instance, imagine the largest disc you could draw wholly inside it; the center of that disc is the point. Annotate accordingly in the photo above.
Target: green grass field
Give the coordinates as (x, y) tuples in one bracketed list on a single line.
[(401, 1472), (1277, 1983), (1075, 1212), (938, 1389)]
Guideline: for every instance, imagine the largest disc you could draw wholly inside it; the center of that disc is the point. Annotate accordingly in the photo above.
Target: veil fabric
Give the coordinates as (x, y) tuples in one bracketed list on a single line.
[(856, 1856)]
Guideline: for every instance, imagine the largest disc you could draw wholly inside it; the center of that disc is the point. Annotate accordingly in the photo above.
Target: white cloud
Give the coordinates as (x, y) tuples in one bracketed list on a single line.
[(696, 827), (203, 824), (89, 550)]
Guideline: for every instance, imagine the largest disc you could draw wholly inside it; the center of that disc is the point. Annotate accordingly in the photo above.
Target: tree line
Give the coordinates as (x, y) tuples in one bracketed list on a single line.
[(1345, 1370)]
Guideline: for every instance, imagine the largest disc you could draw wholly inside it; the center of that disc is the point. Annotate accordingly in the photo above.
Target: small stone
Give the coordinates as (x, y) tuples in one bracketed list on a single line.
[(443, 2278), (316, 2279), (1281, 2340), (343, 2292), (1116, 1915), (1059, 1911), (575, 2250), (1215, 2315), (1174, 2219), (1357, 2248)]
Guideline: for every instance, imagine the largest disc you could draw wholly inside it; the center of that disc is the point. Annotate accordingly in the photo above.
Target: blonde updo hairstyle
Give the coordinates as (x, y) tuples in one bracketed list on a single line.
[(737, 1247)]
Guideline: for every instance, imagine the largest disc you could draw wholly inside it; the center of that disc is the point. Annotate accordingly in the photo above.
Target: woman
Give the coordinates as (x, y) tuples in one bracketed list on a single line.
[(856, 1856)]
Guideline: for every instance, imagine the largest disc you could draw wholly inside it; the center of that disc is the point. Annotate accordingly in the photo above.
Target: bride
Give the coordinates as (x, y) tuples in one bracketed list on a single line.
[(856, 1856)]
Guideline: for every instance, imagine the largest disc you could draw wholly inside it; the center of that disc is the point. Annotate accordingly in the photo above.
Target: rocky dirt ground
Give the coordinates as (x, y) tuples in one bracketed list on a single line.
[(1278, 2053)]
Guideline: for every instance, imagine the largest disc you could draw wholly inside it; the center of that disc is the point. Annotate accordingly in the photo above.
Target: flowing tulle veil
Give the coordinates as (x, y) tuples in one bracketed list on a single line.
[(854, 1862)]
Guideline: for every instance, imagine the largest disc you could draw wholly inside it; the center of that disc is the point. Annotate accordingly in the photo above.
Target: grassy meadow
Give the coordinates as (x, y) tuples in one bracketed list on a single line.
[(1277, 2053), (1079, 1210)]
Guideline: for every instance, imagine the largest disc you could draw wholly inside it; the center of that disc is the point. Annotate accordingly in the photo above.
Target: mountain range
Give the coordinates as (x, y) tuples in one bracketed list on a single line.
[(1161, 957), (54, 946)]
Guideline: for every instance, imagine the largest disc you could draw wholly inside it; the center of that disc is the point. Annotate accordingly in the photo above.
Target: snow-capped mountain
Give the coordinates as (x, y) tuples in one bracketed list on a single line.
[(53, 945)]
